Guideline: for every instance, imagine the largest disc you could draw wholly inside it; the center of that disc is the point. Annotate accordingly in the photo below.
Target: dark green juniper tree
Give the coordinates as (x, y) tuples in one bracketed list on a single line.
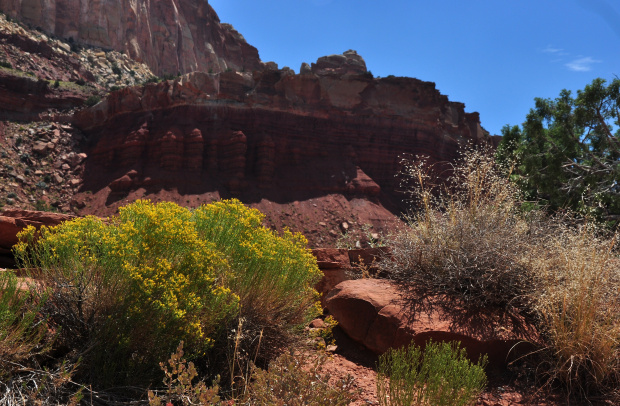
[(567, 153)]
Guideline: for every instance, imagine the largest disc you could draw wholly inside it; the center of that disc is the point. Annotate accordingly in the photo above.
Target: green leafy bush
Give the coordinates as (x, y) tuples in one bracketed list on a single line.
[(439, 375), (567, 150)]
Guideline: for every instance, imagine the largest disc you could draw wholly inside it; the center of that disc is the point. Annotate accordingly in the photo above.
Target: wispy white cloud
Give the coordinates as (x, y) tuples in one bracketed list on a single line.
[(552, 50), (582, 64), (574, 63)]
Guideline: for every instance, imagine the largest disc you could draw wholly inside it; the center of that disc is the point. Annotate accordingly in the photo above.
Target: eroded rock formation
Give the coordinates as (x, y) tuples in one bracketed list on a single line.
[(170, 36), (332, 129)]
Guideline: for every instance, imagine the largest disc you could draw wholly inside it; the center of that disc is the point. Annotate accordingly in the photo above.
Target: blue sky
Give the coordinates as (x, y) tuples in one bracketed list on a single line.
[(495, 56)]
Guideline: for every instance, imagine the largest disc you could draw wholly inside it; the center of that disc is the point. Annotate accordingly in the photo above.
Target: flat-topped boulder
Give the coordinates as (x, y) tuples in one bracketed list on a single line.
[(378, 314)]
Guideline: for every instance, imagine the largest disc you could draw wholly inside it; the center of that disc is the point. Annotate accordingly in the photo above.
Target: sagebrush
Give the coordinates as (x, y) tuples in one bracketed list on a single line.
[(439, 375)]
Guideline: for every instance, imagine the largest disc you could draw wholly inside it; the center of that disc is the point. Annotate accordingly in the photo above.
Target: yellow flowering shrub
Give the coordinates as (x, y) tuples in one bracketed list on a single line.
[(136, 284), (273, 274)]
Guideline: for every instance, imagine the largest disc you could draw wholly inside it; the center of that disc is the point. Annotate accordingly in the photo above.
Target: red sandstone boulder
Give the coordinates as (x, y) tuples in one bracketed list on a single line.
[(122, 184), (334, 263), (9, 227), (375, 313), (13, 221), (363, 185), (329, 258)]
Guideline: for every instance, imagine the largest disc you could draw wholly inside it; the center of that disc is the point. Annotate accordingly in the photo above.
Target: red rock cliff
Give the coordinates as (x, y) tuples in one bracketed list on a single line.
[(274, 134), (170, 36)]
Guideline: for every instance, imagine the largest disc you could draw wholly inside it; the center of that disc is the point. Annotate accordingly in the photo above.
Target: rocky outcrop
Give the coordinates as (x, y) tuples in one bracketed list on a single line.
[(25, 98), (14, 221), (347, 63), (336, 268), (170, 36), (334, 129), (378, 314)]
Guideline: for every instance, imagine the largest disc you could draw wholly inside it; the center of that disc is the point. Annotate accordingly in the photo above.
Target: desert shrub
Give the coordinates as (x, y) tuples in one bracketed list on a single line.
[(131, 287), (125, 290), (297, 380), (326, 334), (35, 386), (152, 79), (92, 100), (273, 275), (179, 376), (439, 375), (465, 240), (20, 330), (115, 69), (475, 244), (578, 280)]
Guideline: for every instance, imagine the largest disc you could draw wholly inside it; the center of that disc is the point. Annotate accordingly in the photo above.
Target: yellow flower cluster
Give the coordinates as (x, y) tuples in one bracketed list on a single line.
[(261, 260), (177, 274)]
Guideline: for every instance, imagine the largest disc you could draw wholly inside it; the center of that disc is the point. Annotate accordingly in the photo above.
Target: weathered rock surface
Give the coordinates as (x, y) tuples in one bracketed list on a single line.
[(24, 98), (347, 63), (170, 36), (334, 263), (14, 221), (376, 313), (274, 134)]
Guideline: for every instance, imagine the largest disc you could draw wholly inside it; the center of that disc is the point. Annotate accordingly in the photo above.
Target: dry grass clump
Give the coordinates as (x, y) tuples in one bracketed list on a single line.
[(473, 245), (296, 379), (577, 294), (467, 237)]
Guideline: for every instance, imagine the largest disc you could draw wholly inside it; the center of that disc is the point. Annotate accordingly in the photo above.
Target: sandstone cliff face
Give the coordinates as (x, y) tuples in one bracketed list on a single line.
[(170, 36), (273, 134)]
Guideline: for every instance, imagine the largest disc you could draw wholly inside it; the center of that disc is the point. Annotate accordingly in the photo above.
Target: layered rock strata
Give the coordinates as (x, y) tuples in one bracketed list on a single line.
[(170, 36), (332, 129)]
